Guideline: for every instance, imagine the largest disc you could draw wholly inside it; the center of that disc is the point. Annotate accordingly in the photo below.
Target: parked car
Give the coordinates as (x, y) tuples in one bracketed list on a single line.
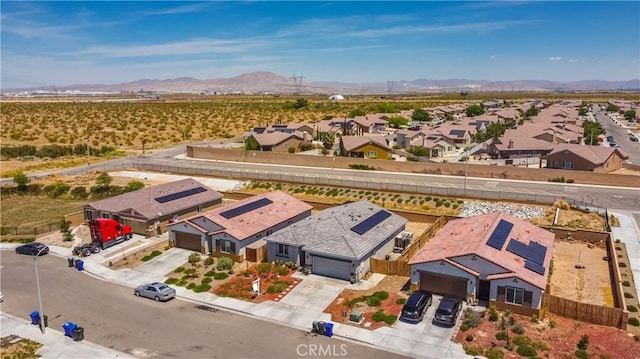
[(32, 249), (633, 138), (610, 139), (156, 291), (415, 307), (448, 311)]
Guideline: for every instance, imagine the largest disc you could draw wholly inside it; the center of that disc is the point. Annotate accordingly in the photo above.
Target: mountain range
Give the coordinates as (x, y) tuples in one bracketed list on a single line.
[(268, 82)]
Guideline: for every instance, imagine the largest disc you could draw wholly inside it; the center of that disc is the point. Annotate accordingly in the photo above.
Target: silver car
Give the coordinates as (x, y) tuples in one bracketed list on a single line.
[(156, 291)]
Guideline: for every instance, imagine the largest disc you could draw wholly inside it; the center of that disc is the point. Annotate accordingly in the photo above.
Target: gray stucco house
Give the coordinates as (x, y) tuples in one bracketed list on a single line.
[(338, 241)]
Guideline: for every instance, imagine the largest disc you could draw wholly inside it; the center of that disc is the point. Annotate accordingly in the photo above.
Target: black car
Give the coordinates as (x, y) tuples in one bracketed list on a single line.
[(447, 312), (33, 248), (415, 307)]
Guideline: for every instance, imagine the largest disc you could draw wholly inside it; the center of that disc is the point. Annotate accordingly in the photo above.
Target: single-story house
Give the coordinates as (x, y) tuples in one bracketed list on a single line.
[(227, 230), (339, 241), (585, 158), (493, 257), (519, 147), (149, 210), (280, 141), (374, 146), (438, 146)]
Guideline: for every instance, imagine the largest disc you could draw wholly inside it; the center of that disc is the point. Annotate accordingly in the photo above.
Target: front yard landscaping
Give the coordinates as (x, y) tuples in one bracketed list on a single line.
[(276, 280), (379, 305)]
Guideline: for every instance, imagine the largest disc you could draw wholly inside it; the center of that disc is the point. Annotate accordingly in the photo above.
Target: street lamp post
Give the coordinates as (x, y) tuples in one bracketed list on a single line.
[(41, 313), (466, 165)]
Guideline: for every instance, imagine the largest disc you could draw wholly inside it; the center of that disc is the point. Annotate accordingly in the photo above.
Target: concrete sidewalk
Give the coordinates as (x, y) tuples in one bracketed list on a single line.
[(629, 234)]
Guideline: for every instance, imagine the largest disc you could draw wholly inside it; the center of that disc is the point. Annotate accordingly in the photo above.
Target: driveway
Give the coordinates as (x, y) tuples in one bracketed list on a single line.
[(166, 262)]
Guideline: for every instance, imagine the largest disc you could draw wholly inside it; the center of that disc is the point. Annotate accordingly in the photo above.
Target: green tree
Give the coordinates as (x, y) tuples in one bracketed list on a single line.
[(474, 110), (630, 114), (449, 117), (419, 151), (21, 180), (356, 112), (613, 108), (300, 103), (327, 138), (104, 180), (397, 121), (250, 144), (57, 189), (421, 115), (531, 112), (133, 186), (592, 130), (386, 108)]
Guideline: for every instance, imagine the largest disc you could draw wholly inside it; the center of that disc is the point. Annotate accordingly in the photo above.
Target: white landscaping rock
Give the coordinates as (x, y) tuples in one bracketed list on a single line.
[(476, 208)]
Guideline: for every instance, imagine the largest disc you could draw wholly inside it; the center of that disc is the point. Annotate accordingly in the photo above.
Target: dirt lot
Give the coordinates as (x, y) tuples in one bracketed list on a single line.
[(591, 284)]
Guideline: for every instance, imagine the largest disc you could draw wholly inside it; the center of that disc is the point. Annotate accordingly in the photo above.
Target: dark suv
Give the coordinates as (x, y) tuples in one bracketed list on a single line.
[(447, 312), (415, 307)]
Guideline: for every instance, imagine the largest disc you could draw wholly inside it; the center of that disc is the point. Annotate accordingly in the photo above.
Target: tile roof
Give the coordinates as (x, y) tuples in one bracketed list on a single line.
[(351, 143), (144, 201), (468, 236), (329, 231), (594, 154), (283, 208), (521, 143)]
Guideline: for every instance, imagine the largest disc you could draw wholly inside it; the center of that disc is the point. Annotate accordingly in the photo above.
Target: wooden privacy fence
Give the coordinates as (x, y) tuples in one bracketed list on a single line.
[(400, 266), (590, 313)]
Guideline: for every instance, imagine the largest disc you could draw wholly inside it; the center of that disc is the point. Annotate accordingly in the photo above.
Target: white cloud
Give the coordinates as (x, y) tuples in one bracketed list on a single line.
[(555, 58), (493, 56), (573, 60)]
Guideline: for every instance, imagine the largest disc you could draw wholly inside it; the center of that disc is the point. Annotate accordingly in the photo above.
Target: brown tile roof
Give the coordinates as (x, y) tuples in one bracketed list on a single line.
[(522, 143), (594, 154), (350, 143), (468, 236), (283, 208), (275, 138), (144, 200)]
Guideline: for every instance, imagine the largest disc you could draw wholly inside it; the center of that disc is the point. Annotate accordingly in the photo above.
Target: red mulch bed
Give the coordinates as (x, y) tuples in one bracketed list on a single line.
[(240, 287), (604, 342), (388, 305)]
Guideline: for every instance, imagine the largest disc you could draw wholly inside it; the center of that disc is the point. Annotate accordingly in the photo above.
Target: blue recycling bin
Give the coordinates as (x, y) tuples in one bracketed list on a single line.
[(35, 317), (328, 329), (80, 264), (69, 327)]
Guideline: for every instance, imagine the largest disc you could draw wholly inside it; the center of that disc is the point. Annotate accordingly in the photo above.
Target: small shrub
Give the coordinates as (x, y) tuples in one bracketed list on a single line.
[(626, 283), (526, 351), (469, 338), (373, 301), (281, 270), (517, 328), (264, 267), (501, 335), (534, 319), (182, 283), (378, 316), (472, 318), (494, 353), (464, 328), (628, 295), (179, 270), (208, 261), (194, 258), (493, 313), (191, 286), (622, 264), (202, 288), (210, 273), (401, 300), (224, 263), (553, 323), (220, 275), (583, 343), (632, 308), (390, 319), (522, 340), (278, 286), (382, 295), (473, 350), (634, 321), (582, 354), (189, 271), (542, 345), (207, 280), (171, 281)]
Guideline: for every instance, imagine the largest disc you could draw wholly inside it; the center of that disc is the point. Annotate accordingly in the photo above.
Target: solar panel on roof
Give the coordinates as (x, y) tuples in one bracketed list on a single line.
[(457, 133), (181, 194), (372, 221), (500, 234), (518, 248), (235, 212), (537, 252), (534, 267)]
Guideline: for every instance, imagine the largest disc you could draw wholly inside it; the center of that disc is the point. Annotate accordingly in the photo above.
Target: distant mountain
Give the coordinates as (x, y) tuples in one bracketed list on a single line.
[(255, 82)]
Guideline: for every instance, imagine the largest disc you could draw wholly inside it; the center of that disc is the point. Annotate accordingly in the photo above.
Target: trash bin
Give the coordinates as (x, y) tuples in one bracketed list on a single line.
[(78, 334), (328, 329), (68, 328), (321, 328), (35, 315), (80, 265), (71, 262), (46, 321)]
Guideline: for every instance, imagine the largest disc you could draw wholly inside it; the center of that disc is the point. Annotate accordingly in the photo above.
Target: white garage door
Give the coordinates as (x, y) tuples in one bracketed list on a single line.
[(330, 267)]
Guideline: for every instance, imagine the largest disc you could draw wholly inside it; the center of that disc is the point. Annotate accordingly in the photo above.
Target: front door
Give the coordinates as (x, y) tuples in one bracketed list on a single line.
[(302, 258), (484, 290)]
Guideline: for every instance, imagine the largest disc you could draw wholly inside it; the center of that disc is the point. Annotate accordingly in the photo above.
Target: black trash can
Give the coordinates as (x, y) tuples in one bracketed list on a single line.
[(78, 334), (46, 321), (71, 262)]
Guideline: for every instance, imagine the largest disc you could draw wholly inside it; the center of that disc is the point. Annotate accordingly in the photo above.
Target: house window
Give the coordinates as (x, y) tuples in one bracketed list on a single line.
[(514, 295), (283, 250), (372, 154), (199, 208), (225, 246), (104, 215), (567, 164), (590, 167), (89, 215)]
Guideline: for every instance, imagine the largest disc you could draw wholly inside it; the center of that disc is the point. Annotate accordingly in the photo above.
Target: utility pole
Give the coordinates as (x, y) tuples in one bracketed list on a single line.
[(41, 314)]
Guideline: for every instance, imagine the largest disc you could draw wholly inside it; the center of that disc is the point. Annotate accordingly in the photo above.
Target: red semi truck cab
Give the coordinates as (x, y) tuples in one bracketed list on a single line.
[(107, 232)]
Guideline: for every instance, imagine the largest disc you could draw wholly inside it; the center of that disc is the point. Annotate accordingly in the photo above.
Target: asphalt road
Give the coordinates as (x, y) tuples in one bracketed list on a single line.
[(621, 136), (113, 317)]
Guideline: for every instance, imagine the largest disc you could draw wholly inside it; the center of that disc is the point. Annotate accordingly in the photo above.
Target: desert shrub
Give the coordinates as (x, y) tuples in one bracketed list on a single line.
[(202, 288), (79, 192), (502, 335), (206, 280), (628, 295), (583, 343), (622, 264), (264, 267), (494, 353), (553, 323), (390, 319), (634, 321), (291, 150), (247, 273), (469, 337), (378, 316), (626, 283), (517, 328), (522, 340), (220, 275), (542, 345), (493, 313), (210, 273), (56, 190), (208, 261), (582, 354), (464, 328), (632, 308), (401, 300), (171, 281), (191, 286), (194, 258), (473, 350), (189, 271), (281, 270), (382, 295), (225, 263), (472, 318), (526, 351), (179, 270), (534, 318), (182, 283), (373, 301)]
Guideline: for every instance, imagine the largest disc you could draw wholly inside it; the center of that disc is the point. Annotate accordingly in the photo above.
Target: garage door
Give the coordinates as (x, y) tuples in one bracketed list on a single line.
[(188, 241), (330, 267), (444, 285)]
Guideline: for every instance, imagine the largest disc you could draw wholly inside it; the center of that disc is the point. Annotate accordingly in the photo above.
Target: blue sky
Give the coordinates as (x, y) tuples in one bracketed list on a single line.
[(73, 42)]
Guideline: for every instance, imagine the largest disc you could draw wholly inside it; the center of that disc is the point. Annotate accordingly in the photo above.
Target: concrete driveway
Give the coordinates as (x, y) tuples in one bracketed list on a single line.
[(426, 327), (166, 262), (314, 292)]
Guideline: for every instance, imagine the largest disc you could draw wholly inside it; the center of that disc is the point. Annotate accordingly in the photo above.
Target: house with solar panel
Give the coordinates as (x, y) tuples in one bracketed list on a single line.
[(228, 230), (339, 241), (494, 258), (149, 210)]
